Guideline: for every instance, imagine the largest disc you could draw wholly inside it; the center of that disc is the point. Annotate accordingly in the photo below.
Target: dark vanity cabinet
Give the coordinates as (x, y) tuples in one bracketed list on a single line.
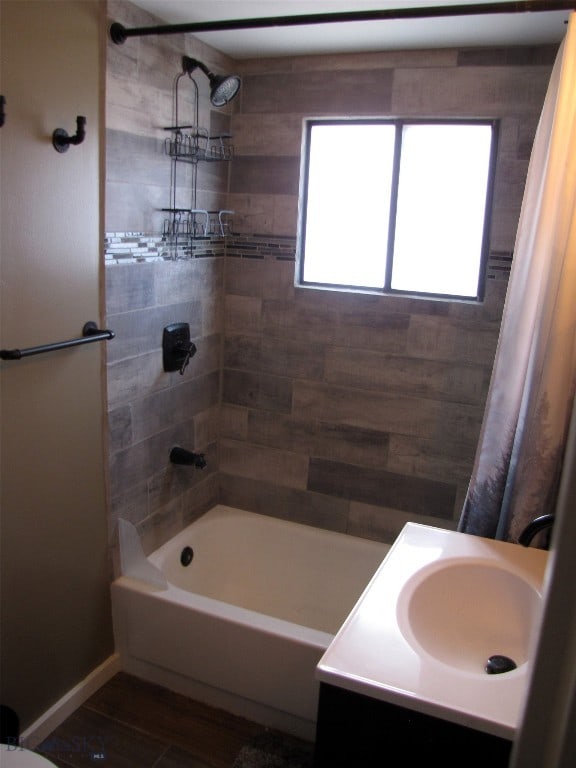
[(356, 731)]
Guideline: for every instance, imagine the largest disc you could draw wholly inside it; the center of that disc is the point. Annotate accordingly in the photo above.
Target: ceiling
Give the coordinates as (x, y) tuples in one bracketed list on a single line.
[(347, 37)]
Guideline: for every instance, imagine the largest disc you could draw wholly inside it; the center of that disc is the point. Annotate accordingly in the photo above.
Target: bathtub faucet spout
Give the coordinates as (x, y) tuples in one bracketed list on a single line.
[(182, 456)]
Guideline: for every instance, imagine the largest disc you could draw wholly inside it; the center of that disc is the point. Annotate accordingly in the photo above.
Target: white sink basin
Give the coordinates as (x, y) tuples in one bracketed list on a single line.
[(440, 605), (463, 611)]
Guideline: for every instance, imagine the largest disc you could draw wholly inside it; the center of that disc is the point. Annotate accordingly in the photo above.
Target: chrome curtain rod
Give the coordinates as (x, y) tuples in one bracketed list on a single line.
[(119, 33)]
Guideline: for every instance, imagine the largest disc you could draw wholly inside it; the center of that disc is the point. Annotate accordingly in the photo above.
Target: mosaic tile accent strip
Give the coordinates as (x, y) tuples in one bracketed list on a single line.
[(282, 248), (131, 247)]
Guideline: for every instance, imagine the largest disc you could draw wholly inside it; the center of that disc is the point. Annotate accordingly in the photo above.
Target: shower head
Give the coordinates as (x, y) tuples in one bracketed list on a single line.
[(223, 88)]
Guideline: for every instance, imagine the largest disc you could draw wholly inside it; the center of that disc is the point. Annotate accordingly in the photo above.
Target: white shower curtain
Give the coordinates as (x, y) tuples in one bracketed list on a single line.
[(523, 435)]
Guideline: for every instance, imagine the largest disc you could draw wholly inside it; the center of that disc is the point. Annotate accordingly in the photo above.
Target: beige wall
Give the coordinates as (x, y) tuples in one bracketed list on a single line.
[(56, 625)]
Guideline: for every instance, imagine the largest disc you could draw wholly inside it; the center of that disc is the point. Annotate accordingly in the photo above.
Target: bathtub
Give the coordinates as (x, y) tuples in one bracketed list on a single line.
[(244, 624)]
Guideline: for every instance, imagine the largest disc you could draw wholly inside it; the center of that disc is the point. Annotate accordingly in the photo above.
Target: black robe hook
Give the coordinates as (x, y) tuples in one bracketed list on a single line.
[(60, 139)]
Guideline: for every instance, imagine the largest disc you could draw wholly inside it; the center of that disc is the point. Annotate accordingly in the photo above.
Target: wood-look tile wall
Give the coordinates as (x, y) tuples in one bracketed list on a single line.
[(150, 410), (351, 411), (347, 411)]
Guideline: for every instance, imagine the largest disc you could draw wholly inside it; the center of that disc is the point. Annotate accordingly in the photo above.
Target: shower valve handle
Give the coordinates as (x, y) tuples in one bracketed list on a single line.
[(188, 351)]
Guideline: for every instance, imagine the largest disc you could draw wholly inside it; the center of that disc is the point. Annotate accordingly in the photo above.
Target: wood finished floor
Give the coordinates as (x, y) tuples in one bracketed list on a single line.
[(130, 723)]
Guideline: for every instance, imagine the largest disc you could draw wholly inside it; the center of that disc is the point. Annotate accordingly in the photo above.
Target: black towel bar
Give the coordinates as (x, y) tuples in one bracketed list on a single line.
[(90, 333)]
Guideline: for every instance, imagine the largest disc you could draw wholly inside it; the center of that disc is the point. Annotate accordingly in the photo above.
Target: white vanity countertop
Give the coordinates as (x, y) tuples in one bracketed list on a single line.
[(375, 652)]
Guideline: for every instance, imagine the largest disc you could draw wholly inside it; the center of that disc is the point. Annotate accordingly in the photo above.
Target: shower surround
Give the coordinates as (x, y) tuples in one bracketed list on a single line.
[(350, 412)]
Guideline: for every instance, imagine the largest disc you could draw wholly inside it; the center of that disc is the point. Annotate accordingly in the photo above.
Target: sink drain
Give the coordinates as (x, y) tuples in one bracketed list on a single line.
[(498, 664)]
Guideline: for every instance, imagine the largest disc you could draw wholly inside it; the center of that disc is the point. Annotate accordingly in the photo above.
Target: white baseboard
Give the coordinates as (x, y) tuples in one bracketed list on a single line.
[(65, 706)]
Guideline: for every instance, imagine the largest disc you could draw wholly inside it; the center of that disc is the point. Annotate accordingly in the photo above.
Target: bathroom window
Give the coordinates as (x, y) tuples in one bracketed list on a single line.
[(396, 206)]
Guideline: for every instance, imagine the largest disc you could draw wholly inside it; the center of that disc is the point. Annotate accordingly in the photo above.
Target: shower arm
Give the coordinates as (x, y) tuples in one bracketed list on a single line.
[(119, 33)]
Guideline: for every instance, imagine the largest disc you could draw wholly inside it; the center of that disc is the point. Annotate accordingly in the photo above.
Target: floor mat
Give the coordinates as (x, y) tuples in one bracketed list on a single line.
[(271, 750)]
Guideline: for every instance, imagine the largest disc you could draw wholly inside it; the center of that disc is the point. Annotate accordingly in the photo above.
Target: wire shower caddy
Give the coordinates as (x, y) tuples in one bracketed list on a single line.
[(190, 144)]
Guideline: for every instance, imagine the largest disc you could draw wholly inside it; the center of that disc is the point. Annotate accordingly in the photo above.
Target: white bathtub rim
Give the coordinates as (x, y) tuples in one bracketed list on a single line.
[(268, 625), (157, 568)]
